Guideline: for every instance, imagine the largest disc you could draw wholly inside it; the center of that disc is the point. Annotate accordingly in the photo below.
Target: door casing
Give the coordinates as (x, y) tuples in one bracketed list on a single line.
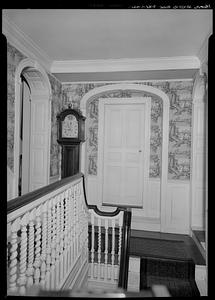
[(104, 103), (40, 89)]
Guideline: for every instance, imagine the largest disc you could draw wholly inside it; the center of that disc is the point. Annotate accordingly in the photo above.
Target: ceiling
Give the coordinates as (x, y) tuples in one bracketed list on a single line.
[(100, 34)]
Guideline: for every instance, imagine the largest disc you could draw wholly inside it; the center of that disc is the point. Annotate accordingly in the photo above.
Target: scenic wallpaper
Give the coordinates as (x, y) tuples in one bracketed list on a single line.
[(179, 93)]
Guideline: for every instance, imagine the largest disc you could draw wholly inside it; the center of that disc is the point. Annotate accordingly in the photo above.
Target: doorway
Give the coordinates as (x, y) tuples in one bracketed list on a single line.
[(123, 150), (32, 128), (24, 145)]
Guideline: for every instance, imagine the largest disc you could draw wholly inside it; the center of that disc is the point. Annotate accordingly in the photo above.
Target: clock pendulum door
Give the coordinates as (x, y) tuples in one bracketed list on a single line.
[(70, 160)]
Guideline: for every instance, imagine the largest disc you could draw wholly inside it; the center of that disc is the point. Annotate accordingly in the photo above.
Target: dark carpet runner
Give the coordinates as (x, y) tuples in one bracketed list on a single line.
[(165, 262)]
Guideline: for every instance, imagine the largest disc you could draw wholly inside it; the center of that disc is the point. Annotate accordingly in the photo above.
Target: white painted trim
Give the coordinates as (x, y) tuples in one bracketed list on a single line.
[(10, 184), (198, 97), (165, 125), (198, 228), (142, 223), (23, 43), (122, 86), (146, 138), (25, 63), (198, 88), (202, 54), (125, 81), (201, 279), (125, 64)]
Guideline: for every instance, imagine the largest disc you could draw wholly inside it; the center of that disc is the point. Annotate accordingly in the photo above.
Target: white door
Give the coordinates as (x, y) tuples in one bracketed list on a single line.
[(123, 150), (39, 146), (26, 138)]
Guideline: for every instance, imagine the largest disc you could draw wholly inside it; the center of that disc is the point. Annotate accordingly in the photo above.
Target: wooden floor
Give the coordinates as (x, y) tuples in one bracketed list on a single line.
[(191, 247)]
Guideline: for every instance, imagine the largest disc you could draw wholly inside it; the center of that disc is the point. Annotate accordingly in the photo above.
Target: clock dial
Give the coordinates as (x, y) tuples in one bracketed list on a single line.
[(70, 127)]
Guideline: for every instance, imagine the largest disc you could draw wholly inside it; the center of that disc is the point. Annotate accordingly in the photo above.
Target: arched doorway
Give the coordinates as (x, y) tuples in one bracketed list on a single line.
[(31, 79), (137, 88)]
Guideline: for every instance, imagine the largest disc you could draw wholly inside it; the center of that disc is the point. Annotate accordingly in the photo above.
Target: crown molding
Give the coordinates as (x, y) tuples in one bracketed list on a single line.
[(26, 45), (23, 43), (126, 64), (202, 54)]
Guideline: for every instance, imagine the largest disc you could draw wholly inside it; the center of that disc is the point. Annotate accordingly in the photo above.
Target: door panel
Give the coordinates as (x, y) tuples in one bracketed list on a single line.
[(123, 154), (39, 142), (26, 138)]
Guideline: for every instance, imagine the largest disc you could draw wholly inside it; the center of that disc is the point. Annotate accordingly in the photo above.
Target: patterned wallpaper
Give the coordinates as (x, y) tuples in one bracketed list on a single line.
[(180, 95), (14, 57), (56, 107)]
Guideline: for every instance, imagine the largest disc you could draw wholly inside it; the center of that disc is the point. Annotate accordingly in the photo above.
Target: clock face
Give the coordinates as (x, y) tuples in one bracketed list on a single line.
[(70, 127)]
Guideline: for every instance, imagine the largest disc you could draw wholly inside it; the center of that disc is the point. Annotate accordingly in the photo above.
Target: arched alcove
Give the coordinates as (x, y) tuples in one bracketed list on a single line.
[(149, 90), (40, 123)]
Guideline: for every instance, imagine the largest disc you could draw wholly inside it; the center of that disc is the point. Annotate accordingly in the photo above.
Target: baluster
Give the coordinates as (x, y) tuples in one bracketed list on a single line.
[(78, 216), (61, 234), (13, 256), (57, 275), (44, 244), (83, 232), (72, 225), (75, 223), (99, 247), (113, 248), (53, 243), (120, 240), (106, 247), (37, 261), (23, 255), (30, 268), (120, 245), (48, 250), (79, 222), (86, 234), (66, 232), (69, 241), (92, 243)]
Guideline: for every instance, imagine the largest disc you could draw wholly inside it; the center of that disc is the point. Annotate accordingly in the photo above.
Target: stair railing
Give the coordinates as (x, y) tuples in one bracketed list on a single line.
[(109, 237), (124, 262), (47, 237), (48, 245)]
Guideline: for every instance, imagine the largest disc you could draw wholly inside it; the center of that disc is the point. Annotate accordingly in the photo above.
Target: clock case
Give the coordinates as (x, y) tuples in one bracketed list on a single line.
[(70, 163)]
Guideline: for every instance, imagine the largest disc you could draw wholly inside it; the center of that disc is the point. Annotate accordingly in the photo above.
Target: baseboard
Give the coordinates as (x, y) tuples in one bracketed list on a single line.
[(201, 279), (198, 228), (148, 224)]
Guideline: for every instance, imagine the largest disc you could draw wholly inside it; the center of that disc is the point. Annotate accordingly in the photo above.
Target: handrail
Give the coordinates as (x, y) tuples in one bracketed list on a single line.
[(21, 201), (47, 237), (124, 261), (97, 210)]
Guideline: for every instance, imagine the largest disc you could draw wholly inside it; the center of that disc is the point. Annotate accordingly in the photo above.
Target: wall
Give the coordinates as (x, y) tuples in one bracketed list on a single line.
[(14, 57), (180, 95)]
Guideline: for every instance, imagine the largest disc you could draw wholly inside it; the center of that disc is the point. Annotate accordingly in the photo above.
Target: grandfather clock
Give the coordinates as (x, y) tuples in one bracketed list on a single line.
[(71, 125)]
